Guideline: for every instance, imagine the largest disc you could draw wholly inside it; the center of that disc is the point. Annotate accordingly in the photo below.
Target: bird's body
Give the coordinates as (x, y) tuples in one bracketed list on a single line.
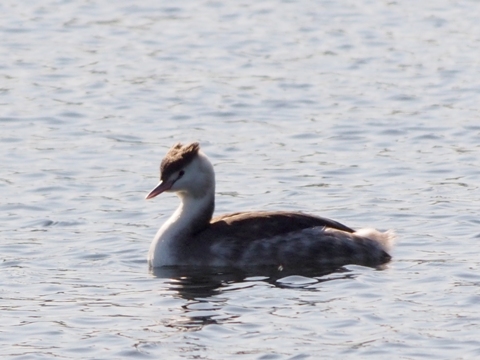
[(190, 237)]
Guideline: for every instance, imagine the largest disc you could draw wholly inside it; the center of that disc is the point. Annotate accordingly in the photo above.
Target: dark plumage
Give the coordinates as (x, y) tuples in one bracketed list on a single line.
[(279, 239)]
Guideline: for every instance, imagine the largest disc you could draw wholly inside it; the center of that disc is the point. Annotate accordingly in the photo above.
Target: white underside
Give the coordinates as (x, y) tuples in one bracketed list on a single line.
[(160, 253), (162, 248)]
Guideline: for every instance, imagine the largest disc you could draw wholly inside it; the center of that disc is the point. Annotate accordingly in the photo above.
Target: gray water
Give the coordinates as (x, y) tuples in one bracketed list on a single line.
[(366, 112)]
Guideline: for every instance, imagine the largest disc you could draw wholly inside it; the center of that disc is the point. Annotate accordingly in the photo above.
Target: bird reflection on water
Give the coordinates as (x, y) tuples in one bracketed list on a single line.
[(206, 288)]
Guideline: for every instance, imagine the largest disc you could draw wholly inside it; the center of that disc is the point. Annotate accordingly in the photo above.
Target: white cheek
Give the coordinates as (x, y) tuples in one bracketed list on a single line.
[(177, 186)]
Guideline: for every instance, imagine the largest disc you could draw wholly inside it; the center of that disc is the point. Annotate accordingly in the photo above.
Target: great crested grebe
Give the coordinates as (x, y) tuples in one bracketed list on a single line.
[(192, 237)]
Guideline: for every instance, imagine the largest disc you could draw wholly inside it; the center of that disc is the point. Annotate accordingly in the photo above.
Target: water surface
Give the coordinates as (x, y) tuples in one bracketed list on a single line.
[(365, 112)]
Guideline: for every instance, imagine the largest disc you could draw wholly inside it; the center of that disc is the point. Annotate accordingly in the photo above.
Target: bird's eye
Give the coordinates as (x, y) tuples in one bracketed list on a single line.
[(181, 173)]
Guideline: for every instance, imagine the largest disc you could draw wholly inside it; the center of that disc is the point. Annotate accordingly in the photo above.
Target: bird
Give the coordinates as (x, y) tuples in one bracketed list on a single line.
[(193, 237)]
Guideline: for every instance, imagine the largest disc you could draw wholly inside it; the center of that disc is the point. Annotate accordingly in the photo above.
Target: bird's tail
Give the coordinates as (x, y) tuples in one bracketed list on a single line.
[(385, 239)]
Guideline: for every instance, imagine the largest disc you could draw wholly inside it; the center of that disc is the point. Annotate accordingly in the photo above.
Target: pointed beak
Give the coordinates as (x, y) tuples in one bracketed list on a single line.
[(160, 188)]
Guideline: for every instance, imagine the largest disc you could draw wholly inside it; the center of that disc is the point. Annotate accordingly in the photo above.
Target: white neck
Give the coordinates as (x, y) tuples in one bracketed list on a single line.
[(191, 216)]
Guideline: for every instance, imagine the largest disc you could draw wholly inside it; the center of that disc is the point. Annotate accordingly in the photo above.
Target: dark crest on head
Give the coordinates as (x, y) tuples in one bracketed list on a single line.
[(177, 157)]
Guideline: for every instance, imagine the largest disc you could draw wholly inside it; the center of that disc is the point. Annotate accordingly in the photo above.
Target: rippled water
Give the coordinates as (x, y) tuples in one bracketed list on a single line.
[(362, 111)]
